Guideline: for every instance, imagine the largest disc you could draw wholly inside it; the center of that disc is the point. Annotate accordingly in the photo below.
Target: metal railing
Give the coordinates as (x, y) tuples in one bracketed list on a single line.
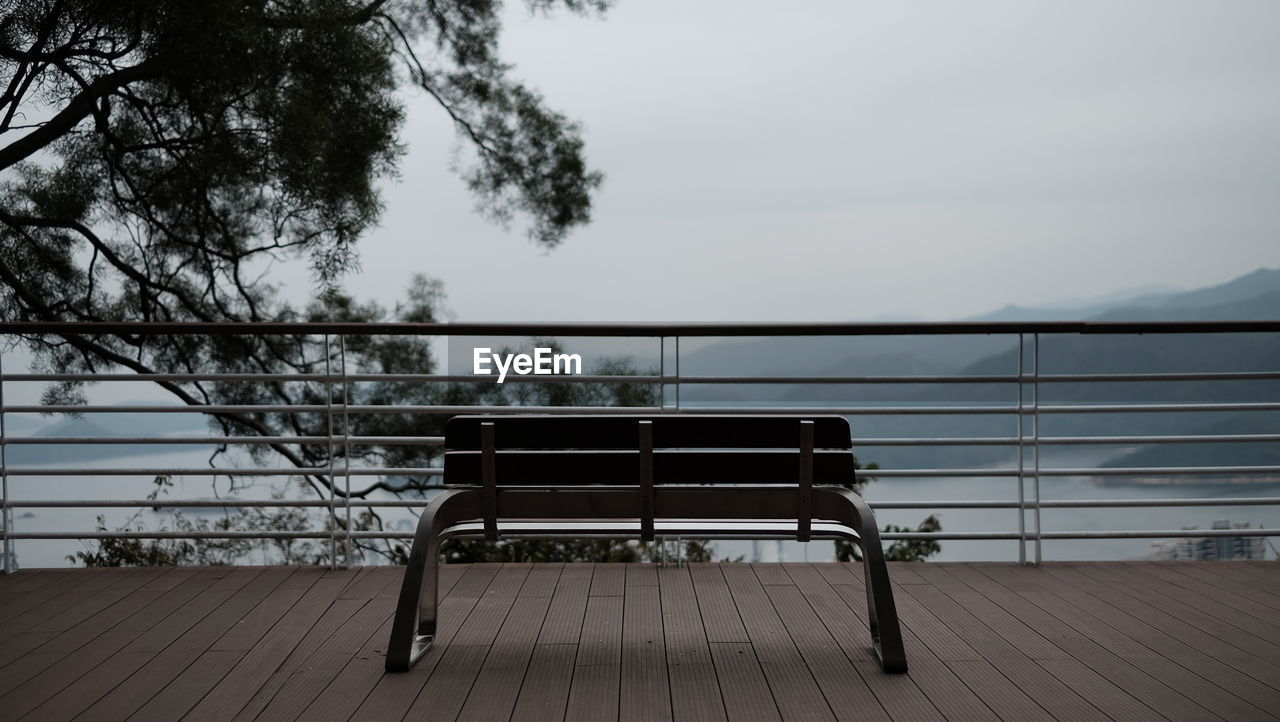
[(1025, 411)]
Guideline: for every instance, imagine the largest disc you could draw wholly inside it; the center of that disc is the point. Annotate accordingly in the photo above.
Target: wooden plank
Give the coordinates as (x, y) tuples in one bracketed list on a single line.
[(494, 694), (312, 676), (948, 694), (563, 623), (545, 692), (686, 639), (447, 687), (1095, 689), (1024, 638), (332, 621), (541, 581), (608, 580), (238, 687), (474, 581), (695, 693), (684, 431), (743, 684), (642, 574), (594, 692), (719, 614), (645, 692), (1206, 595), (393, 694), (345, 692), (1253, 636), (794, 690), (1156, 685), (224, 636), (842, 573), (51, 596), (999, 652), (846, 688), (312, 666), (1244, 675), (1127, 638), (769, 573), (77, 602), (171, 646), (851, 631), (115, 666), (1197, 675), (998, 692), (491, 609), (1137, 701), (601, 641), (62, 684), (25, 580)]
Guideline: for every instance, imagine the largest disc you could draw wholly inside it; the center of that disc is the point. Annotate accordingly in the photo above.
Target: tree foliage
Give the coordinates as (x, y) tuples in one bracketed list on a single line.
[(159, 156)]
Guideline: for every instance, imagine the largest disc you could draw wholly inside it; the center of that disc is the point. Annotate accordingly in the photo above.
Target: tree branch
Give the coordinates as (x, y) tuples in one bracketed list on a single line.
[(75, 111)]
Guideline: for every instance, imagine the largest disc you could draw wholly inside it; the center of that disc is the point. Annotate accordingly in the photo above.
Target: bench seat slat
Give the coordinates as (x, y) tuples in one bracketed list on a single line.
[(552, 468), (689, 431)]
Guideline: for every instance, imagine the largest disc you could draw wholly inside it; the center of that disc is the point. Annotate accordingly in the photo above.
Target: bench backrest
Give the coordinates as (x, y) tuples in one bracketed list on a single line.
[(554, 450)]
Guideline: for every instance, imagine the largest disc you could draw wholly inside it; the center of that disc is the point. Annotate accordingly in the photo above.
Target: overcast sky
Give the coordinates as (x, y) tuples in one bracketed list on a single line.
[(852, 160)]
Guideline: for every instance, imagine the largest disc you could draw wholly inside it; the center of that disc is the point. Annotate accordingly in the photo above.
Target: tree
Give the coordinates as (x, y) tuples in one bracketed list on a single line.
[(159, 155), (902, 550)]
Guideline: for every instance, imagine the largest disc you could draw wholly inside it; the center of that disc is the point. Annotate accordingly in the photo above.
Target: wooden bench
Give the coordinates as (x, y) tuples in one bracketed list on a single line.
[(699, 476)]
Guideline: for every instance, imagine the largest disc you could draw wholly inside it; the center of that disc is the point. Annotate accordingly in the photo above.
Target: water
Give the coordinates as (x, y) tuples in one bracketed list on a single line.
[(53, 553)]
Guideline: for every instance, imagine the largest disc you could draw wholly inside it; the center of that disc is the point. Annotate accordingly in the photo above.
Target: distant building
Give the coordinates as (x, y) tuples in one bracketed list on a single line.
[(1213, 548)]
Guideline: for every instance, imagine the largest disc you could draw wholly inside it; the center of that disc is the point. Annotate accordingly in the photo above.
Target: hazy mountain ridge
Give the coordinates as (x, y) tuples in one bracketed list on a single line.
[(1255, 296)]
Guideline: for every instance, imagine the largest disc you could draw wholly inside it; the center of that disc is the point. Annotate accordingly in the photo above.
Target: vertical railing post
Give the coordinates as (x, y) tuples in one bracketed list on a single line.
[(1022, 513), (1035, 432), (346, 441), (677, 342), (662, 374), (6, 518), (333, 489)]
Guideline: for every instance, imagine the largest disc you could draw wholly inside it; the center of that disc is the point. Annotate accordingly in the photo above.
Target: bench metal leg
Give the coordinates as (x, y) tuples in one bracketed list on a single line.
[(414, 627), (886, 635)]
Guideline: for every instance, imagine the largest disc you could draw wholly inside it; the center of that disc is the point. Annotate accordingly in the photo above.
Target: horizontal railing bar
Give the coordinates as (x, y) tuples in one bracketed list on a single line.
[(887, 536), (1181, 439), (428, 409), (1107, 471), (322, 408), (413, 503), (654, 330), (939, 441), (939, 473), (338, 378), (248, 471), (1157, 470), (439, 440), (1116, 534), (1080, 503), (428, 471), (354, 440), (1147, 408), (1118, 503), (1062, 440), (651, 379)]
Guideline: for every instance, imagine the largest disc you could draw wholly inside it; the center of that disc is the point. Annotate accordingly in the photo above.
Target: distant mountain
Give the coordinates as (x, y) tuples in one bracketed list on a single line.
[(104, 425), (1254, 296)]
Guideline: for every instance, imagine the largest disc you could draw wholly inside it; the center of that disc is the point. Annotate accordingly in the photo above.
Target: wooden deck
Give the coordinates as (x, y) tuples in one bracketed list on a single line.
[(1123, 641)]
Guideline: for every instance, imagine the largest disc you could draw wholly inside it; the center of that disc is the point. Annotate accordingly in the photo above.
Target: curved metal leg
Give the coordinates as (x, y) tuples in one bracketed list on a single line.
[(414, 626), (886, 635)]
